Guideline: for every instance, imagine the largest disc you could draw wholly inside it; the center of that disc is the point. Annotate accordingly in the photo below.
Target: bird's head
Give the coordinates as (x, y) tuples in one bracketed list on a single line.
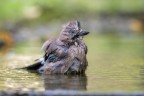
[(72, 31)]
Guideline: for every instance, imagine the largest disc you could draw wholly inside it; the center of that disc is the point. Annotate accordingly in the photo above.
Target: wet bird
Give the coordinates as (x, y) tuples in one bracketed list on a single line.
[(65, 54)]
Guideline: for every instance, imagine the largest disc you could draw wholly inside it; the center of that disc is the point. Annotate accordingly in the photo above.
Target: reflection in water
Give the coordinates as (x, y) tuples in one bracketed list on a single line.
[(68, 82)]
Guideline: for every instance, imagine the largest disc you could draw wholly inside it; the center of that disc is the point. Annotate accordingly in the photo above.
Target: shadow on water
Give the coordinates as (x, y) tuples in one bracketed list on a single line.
[(66, 82)]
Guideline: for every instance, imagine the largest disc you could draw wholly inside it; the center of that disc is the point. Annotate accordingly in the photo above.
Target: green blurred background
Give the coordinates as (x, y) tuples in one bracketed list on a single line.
[(22, 21), (115, 42)]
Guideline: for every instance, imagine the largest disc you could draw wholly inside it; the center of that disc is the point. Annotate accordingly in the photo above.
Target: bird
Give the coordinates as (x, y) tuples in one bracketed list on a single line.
[(65, 54)]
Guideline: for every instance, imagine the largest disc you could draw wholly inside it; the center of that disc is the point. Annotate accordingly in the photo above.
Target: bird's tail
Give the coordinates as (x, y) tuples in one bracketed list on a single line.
[(35, 66)]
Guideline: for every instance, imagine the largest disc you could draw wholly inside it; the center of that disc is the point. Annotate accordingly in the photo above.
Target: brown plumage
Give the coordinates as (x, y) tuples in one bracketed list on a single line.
[(65, 54)]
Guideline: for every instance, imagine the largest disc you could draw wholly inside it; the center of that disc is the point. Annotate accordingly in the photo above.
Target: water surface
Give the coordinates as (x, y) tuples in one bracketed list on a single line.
[(114, 65)]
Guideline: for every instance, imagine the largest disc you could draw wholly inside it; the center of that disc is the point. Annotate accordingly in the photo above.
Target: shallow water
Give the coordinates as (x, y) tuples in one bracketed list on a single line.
[(114, 65)]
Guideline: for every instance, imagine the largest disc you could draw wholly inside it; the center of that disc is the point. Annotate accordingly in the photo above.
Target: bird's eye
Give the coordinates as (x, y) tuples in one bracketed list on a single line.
[(73, 31), (51, 57)]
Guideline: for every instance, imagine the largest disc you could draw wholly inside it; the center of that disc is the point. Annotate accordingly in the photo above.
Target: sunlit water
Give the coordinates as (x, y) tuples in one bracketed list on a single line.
[(113, 66)]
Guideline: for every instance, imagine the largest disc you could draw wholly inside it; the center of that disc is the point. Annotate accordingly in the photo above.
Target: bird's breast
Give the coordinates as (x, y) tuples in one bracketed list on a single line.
[(77, 51)]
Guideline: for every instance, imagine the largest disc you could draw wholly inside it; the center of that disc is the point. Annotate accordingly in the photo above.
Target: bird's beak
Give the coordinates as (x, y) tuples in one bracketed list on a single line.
[(80, 34), (83, 33)]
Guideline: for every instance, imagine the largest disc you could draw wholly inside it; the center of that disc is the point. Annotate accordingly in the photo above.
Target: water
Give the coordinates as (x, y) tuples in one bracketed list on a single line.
[(114, 65)]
